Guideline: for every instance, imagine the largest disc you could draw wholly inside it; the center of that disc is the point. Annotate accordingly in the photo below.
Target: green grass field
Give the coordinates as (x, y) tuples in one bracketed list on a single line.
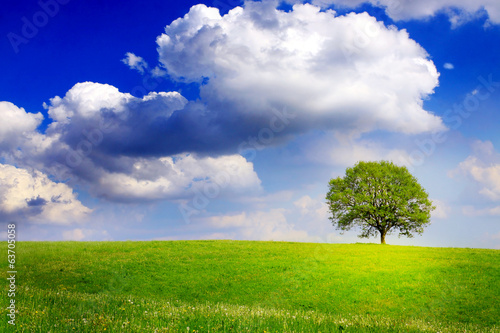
[(242, 286)]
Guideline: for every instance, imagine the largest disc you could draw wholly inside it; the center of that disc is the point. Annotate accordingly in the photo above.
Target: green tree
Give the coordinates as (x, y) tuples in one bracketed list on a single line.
[(379, 197)]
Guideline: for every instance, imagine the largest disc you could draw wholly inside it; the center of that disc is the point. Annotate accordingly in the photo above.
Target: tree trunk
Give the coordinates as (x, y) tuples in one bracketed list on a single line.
[(382, 237)]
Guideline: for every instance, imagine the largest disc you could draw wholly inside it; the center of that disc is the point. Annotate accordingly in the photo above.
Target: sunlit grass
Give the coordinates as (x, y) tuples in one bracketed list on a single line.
[(49, 311), (226, 286)]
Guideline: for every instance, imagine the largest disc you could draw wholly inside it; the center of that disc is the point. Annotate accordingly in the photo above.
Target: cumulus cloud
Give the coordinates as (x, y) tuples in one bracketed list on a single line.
[(459, 11), (448, 66), (348, 73), (135, 62), (129, 149), (177, 177), (158, 124), (115, 122), (483, 167), (31, 195), (16, 126), (265, 74)]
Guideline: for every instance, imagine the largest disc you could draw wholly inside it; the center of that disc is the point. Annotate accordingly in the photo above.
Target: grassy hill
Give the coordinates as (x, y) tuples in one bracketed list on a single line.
[(241, 286)]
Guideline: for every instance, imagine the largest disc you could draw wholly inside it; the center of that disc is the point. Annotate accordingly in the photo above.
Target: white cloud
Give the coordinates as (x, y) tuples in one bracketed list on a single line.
[(88, 100), (32, 196), (259, 225), (75, 234), (474, 212), (256, 59), (459, 11), (345, 73), (79, 234), (344, 151), (312, 209), (483, 167), (442, 210), (448, 66), (16, 126), (177, 176), (349, 73), (135, 62), (312, 215), (305, 221), (122, 148)]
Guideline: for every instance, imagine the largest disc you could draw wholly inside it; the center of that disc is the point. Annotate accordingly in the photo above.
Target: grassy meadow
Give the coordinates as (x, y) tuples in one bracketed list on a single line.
[(243, 286)]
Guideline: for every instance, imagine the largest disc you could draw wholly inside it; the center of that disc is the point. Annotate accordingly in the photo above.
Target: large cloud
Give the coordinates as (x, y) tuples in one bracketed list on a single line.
[(265, 75), (127, 149), (459, 11), (31, 195), (117, 123), (348, 73), (177, 177), (157, 125)]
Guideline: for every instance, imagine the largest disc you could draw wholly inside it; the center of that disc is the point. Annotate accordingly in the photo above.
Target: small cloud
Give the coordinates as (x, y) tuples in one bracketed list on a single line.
[(442, 209), (158, 72), (471, 211), (483, 167), (448, 66), (135, 62), (258, 225), (79, 234), (76, 235), (313, 209)]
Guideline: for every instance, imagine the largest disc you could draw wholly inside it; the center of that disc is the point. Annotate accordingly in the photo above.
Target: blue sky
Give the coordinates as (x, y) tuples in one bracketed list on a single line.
[(226, 119)]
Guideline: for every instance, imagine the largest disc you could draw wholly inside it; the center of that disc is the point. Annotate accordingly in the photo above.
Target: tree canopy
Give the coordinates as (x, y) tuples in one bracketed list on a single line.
[(379, 198)]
